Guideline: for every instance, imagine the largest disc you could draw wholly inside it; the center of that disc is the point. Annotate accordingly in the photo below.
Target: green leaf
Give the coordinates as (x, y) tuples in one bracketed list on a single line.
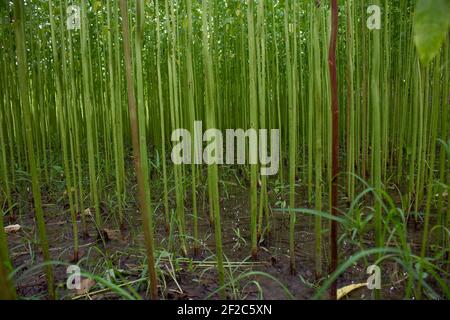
[(431, 23), (97, 5)]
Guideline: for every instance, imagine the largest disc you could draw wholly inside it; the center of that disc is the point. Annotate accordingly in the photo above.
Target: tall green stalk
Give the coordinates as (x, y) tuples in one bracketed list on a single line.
[(63, 121), (192, 118), (7, 290), (138, 139), (25, 103), (376, 131), (88, 105), (213, 188), (253, 103), (317, 88), (162, 118), (292, 109)]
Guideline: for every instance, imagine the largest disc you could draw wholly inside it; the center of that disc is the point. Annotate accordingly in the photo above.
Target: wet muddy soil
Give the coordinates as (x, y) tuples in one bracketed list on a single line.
[(193, 277)]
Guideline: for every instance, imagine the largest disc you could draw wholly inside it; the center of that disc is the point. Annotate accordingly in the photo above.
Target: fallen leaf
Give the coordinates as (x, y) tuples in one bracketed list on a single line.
[(342, 292), (12, 228), (112, 234), (85, 286)]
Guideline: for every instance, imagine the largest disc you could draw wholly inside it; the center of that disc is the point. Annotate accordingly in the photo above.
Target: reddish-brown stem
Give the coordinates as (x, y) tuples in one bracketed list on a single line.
[(335, 146)]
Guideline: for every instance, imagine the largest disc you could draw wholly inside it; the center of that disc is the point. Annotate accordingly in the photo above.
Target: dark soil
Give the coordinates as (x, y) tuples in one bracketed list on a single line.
[(194, 279)]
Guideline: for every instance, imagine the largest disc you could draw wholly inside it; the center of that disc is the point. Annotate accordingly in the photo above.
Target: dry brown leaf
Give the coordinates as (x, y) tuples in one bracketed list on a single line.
[(112, 234), (85, 286), (12, 228), (342, 292)]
